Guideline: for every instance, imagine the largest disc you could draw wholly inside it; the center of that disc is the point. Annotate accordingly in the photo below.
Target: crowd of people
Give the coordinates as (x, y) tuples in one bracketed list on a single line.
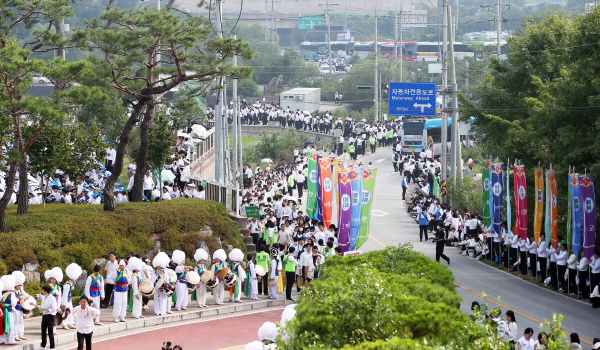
[(562, 270), (60, 187)]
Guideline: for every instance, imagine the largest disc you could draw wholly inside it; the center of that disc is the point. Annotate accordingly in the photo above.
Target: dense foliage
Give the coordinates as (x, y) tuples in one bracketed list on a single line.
[(58, 234), (395, 292), (276, 146)]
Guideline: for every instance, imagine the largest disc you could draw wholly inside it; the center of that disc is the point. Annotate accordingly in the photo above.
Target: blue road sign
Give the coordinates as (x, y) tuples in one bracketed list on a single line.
[(416, 99)]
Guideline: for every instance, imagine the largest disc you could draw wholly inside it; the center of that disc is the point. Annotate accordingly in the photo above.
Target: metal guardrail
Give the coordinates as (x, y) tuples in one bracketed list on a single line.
[(218, 192)]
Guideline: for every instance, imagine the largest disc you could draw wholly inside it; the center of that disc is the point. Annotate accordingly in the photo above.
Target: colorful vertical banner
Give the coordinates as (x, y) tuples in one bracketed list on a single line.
[(538, 209), (570, 214), (486, 185), (547, 210), (319, 212), (497, 189), (436, 187), (520, 189), (552, 198), (345, 210), (589, 215), (356, 179), (508, 206), (576, 213), (326, 183), (311, 201), (368, 187)]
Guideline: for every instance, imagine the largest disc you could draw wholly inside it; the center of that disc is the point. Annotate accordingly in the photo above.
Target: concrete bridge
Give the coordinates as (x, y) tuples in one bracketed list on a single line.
[(272, 127)]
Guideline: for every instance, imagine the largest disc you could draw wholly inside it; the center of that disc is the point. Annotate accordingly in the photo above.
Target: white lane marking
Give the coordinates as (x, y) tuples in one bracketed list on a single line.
[(379, 161), (379, 213)]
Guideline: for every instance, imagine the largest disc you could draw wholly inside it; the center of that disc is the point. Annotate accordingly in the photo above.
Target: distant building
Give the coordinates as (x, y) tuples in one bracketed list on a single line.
[(303, 99)]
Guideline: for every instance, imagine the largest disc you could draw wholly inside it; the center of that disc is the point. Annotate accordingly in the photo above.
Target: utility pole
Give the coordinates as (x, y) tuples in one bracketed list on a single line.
[(266, 21), (444, 54), (219, 134), (456, 153), (498, 28), (376, 104), (398, 41), (328, 8), (401, 44), (235, 138)]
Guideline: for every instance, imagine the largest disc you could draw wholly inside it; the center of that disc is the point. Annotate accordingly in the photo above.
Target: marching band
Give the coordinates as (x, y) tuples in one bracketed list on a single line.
[(132, 283)]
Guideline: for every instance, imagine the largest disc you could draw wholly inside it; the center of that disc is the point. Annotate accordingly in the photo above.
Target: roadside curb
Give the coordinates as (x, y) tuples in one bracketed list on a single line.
[(131, 324)]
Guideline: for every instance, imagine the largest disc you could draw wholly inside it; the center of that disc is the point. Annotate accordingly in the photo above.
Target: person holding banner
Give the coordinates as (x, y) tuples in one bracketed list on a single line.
[(532, 249), (595, 267), (523, 255), (552, 269), (561, 264), (583, 272), (572, 264), (542, 255)]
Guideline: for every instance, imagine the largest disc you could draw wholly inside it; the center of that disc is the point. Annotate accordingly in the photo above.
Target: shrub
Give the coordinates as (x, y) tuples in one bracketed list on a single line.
[(380, 295), (58, 234)]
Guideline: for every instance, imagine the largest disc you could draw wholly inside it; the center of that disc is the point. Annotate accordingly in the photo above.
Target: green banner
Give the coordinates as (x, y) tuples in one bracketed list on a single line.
[(486, 184), (252, 212), (436, 188), (368, 190), (311, 201)]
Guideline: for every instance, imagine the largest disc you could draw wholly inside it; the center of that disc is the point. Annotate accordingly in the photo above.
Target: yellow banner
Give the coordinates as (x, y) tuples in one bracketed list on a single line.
[(538, 218)]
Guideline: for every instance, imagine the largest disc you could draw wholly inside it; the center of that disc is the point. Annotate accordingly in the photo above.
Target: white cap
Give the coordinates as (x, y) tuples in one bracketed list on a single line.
[(122, 262), (8, 281), (236, 255), (161, 259), (57, 273), (135, 264), (220, 254), (73, 271), (178, 256), (19, 278), (200, 254), (268, 331)]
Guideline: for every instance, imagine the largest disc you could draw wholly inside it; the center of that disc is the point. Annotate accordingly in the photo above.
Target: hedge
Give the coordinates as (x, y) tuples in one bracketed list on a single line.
[(395, 292), (58, 234)]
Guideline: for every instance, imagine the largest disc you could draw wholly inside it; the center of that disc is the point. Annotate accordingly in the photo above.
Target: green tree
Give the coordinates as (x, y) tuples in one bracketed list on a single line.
[(149, 52), (276, 146), (162, 132)]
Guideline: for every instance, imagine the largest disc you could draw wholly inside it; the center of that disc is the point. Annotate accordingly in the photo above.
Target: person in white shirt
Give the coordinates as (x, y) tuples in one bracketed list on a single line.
[(111, 266), (532, 249), (595, 267), (49, 307), (84, 322), (572, 265), (526, 342), (552, 271), (510, 331), (561, 264), (542, 255), (583, 272), (165, 195), (148, 184)]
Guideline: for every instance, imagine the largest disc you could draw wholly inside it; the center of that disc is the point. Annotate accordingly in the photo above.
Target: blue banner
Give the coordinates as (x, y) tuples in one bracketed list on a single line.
[(497, 196), (576, 213), (357, 185)]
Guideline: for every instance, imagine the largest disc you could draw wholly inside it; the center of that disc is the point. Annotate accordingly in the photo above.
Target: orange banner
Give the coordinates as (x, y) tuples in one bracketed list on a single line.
[(326, 189)]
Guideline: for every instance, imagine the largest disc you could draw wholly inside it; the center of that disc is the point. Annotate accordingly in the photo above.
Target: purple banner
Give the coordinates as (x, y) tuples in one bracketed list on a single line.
[(589, 215), (345, 210)]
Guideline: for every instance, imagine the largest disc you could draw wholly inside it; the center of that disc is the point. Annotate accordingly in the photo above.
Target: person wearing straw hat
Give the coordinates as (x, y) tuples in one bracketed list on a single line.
[(251, 286), (120, 278), (236, 256), (54, 276), (20, 293), (73, 271), (267, 333), (181, 270), (9, 302), (94, 289), (135, 265), (160, 262), (219, 257), (201, 256)]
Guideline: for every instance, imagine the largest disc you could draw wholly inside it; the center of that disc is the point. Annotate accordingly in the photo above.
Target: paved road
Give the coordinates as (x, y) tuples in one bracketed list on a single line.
[(225, 332), (391, 225)]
